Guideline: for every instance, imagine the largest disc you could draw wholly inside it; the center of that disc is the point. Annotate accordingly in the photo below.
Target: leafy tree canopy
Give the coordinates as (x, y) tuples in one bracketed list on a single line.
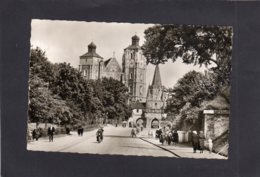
[(198, 45)]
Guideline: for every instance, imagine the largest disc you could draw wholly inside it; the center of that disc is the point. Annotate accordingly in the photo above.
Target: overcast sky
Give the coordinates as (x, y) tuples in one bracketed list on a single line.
[(65, 41)]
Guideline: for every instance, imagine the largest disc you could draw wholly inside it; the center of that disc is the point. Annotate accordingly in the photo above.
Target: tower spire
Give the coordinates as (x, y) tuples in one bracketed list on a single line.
[(157, 77)]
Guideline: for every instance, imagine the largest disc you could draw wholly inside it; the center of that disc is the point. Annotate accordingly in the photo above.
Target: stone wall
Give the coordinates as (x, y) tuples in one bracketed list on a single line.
[(216, 122)]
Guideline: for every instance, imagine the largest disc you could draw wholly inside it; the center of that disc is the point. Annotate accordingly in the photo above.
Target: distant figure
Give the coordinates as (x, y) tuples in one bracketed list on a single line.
[(100, 134), (169, 136), (51, 131), (80, 131), (201, 141), (210, 143), (36, 134), (133, 134), (163, 136), (195, 141), (158, 133), (175, 137)]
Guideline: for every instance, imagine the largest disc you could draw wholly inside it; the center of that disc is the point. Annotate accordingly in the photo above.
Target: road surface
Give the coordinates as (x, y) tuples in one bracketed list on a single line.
[(117, 141)]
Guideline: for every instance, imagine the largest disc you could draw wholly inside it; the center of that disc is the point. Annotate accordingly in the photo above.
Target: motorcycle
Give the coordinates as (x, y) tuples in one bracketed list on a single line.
[(99, 136)]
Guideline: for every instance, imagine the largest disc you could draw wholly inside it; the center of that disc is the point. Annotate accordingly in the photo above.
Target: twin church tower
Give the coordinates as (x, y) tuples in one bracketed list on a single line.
[(132, 74)]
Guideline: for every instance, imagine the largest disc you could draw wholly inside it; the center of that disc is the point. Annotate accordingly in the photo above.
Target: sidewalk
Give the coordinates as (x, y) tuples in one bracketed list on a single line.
[(182, 150)]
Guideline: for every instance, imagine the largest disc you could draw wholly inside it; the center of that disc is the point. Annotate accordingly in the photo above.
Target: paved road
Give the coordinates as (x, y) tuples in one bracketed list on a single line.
[(117, 140)]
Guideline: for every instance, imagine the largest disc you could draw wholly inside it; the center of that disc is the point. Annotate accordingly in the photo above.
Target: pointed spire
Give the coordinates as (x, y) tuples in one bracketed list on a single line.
[(157, 77)]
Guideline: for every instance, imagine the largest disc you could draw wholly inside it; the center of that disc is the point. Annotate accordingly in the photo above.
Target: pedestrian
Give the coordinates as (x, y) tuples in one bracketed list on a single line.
[(175, 137), (133, 134), (158, 133), (195, 141), (78, 130), (81, 131), (51, 131), (34, 134), (169, 137), (201, 141), (37, 133), (210, 143), (163, 135)]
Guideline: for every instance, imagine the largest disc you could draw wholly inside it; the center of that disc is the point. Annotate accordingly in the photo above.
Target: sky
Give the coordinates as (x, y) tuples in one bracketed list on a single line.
[(65, 41)]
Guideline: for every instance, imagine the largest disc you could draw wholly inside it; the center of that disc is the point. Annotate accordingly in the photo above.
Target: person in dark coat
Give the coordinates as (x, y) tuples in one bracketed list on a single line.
[(158, 133), (201, 141), (81, 131), (195, 141), (175, 137), (36, 134), (51, 131)]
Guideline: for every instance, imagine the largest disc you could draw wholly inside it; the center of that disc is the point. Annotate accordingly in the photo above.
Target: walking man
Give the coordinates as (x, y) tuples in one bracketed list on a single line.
[(51, 131), (195, 141)]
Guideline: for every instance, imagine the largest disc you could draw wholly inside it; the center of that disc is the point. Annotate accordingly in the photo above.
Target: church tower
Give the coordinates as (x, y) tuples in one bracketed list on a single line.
[(134, 71), (155, 102), (91, 64)]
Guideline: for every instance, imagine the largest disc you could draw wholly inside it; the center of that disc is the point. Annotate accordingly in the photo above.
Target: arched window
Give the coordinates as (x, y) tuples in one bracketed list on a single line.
[(131, 89), (131, 75)]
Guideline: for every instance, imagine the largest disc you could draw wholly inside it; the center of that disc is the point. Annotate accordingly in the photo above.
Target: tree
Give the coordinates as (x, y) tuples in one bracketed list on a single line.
[(193, 88), (60, 94), (115, 98), (198, 45)]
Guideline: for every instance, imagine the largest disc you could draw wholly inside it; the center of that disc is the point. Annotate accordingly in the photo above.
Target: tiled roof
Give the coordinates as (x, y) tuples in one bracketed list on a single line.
[(107, 61), (157, 77), (91, 54), (133, 47)]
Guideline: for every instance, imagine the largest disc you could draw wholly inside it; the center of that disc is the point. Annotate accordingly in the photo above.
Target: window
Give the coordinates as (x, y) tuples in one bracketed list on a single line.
[(141, 90), (137, 110), (132, 55), (131, 89), (131, 75), (155, 104)]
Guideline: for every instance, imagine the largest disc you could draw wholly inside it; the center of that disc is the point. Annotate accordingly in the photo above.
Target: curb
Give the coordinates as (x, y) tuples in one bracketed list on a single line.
[(178, 156)]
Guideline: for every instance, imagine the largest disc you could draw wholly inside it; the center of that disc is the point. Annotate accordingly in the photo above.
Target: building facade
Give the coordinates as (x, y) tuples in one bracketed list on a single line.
[(93, 66), (147, 106), (134, 71), (154, 101)]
